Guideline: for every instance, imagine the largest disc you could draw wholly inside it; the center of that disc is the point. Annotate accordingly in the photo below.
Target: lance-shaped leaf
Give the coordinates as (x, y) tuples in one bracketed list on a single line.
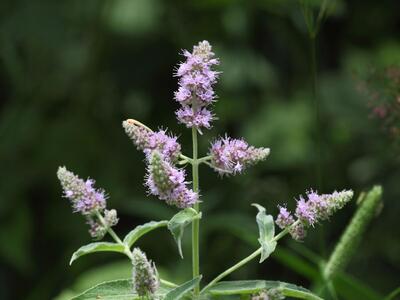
[(180, 291), (141, 230), (247, 287), (96, 247), (121, 289), (266, 227), (178, 223)]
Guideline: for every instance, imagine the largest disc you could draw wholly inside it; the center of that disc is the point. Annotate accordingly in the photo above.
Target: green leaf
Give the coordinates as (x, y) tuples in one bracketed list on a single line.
[(141, 230), (267, 231), (178, 223), (96, 247), (121, 289), (180, 291), (255, 286)]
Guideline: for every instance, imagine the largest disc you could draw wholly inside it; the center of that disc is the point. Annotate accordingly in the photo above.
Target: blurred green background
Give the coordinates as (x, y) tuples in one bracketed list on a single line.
[(71, 71)]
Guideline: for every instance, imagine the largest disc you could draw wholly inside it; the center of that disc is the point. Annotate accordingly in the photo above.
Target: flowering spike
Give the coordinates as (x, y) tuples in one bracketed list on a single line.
[(312, 210), (138, 134), (298, 231), (284, 218), (84, 197), (232, 156), (195, 90), (147, 140), (168, 182), (96, 230), (144, 274)]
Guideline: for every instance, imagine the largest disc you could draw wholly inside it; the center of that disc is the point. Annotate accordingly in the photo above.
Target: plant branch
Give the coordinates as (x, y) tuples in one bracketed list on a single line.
[(247, 259)]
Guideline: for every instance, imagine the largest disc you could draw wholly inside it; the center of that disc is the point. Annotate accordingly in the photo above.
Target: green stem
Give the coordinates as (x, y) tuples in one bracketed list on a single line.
[(204, 159), (247, 259), (168, 283), (127, 251), (116, 238), (196, 222)]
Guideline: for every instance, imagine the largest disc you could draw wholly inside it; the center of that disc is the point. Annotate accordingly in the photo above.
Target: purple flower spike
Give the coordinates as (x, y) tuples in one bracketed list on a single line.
[(168, 182), (311, 210), (196, 80), (284, 218), (298, 232), (232, 156), (305, 212), (82, 194), (88, 201), (147, 140), (199, 118)]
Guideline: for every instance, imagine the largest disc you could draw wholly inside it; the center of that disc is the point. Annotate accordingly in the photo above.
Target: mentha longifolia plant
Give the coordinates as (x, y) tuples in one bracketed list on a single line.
[(166, 179)]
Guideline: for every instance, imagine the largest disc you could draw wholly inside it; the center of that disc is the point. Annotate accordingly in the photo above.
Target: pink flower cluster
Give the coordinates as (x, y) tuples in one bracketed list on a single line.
[(195, 92), (147, 140), (168, 183), (311, 210), (87, 200), (232, 156)]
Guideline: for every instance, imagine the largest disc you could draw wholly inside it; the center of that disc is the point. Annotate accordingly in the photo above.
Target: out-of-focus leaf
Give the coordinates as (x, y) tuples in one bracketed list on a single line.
[(133, 17), (297, 264), (351, 288), (393, 294)]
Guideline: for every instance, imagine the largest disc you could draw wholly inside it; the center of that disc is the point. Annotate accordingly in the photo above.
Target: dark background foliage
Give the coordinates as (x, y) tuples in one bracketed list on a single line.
[(71, 71)]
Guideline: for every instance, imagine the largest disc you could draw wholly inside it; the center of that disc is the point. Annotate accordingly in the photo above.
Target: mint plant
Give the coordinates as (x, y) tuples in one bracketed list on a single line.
[(166, 179)]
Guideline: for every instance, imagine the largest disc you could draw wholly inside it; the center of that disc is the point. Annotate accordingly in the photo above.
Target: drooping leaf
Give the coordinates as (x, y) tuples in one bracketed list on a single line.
[(141, 230), (178, 223), (96, 247), (121, 289), (254, 286), (266, 227), (180, 291)]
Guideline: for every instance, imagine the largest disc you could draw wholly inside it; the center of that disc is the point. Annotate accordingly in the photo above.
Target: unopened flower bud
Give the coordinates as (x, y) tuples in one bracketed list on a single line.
[(144, 275), (110, 217)]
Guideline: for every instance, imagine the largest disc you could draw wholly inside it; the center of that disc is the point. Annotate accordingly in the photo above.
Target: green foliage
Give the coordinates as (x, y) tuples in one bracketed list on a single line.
[(97, 247), (255, 286), (141, 230), (115, 290), (180, 291), (266, 227), (178, 223)]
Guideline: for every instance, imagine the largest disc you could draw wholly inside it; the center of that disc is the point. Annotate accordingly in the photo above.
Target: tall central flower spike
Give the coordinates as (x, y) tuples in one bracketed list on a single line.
[(195, 92), (311, 210), (88, 201)]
